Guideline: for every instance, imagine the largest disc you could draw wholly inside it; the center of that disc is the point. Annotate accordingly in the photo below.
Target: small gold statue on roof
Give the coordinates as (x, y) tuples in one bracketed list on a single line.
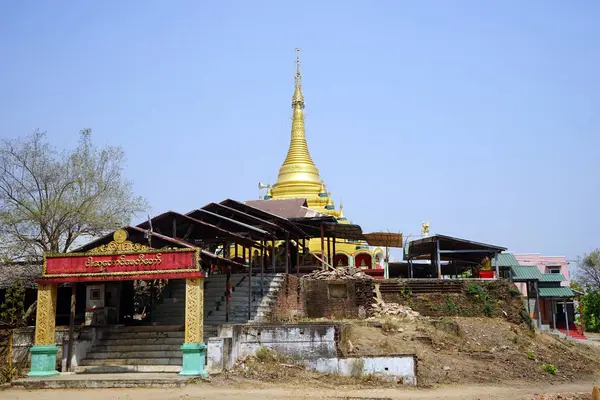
[(425, 228)]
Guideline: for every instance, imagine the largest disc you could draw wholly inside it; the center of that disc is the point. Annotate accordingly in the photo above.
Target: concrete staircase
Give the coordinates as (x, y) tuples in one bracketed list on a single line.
[(157, 348), (135, 349), (239, 309), (172, 309)]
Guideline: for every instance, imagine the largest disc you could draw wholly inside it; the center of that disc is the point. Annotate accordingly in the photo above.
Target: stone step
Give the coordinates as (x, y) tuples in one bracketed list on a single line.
[(129, 355), (136, 341), (114, 369), (136, 347), (133, 361), (170, 305), (143, 335), (143, 328)]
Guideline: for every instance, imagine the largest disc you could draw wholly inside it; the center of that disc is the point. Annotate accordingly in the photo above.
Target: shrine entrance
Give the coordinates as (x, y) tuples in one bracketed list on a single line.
[(117, 261)]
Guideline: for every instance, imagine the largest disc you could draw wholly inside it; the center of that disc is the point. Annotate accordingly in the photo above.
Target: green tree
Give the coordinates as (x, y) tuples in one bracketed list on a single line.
[(591, 310), (12, 309), (50, 199)]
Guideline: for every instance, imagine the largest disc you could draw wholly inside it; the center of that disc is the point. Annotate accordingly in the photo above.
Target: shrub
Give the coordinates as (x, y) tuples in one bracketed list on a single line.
[(487, 309), (526, 319), (451, 306), (549, 368), (531, 355), (12, 309), (475, 290), (514, 291)]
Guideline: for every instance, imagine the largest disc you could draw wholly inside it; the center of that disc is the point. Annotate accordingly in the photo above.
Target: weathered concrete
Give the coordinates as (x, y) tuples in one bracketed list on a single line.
[(314, 344), (110, 380), (401, 368), (299, 341)]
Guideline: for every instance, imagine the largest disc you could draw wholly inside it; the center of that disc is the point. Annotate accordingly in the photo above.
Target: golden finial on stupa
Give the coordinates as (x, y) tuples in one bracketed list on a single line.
[(425, 228), (298, 98), (341, 215)]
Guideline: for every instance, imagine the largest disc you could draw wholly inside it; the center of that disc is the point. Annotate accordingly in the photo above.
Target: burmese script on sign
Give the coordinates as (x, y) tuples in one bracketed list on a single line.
[(123, 261)]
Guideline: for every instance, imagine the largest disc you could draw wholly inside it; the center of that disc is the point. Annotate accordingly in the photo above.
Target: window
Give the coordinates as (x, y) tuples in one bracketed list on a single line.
[(95, 294), (554, 270)]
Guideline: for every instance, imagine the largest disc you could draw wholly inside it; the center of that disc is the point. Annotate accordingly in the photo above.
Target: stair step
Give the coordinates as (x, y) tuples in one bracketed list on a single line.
[(133, 361), (143, 335), (136, 341), (136, 347), (132, 355), (114, 369), (143, 328)]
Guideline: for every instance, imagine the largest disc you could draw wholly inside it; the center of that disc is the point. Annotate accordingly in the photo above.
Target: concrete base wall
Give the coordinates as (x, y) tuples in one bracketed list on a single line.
[(84, 337), (397, 368), (315, 345), (298, 341)]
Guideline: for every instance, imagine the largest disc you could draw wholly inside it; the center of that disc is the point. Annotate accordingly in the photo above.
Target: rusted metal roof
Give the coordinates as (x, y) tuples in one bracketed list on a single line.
[(285, 208), (384, 239), (191, 230), (279, 220)]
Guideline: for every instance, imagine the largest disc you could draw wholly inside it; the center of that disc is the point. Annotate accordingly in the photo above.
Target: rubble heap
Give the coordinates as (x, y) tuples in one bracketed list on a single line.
[(380, 309), (338, 273)]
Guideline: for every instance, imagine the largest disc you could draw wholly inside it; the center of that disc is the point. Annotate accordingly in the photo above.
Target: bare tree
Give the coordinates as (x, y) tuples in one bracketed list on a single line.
[(588, 270), (50, 199)]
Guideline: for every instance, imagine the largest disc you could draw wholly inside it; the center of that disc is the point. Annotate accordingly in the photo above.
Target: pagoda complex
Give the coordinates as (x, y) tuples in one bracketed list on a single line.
[(299, 179)]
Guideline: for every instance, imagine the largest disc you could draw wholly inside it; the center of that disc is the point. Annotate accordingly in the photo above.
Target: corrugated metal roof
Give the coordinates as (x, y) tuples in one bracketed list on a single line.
[(506, 260), (285, 208), (553, 278), (523, 273), (561, 291)]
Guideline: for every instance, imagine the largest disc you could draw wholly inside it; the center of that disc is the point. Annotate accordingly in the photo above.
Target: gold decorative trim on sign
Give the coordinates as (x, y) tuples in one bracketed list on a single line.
[(119, 243), (125, 273)]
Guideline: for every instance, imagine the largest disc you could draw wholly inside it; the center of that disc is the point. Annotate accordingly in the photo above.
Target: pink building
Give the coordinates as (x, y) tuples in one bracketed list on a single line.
[(547, 264), (553, 304)]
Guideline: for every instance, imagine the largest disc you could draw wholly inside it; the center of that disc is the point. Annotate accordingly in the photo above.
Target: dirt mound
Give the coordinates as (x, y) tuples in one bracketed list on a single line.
[(495, 299), (393, 309), (474, 350)]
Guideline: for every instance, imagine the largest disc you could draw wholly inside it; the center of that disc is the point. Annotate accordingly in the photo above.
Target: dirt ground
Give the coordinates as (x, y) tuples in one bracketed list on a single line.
[(475, 350), (260, 391)]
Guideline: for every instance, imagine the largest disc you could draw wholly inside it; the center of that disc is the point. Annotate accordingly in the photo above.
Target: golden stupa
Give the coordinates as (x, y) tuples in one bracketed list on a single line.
[(299, 178)]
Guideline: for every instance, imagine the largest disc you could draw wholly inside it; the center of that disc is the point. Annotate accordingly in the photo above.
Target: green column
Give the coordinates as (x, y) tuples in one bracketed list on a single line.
[(194, 350), (43, 360), (194, 360)]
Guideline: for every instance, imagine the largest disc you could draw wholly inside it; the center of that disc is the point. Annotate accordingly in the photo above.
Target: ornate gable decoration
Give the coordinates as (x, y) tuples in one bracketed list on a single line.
[(120, 244)]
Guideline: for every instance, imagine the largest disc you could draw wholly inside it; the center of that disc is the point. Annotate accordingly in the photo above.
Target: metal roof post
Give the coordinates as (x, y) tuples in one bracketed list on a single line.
[(566, 317), (437, 259), (497, 266), (537, 295)]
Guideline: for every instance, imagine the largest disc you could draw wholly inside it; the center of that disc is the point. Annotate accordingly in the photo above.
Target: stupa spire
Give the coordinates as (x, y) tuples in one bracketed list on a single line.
[(298, 169)]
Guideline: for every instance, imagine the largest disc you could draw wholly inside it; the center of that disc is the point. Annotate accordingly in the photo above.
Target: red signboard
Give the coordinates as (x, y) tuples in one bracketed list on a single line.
[(125, 265)]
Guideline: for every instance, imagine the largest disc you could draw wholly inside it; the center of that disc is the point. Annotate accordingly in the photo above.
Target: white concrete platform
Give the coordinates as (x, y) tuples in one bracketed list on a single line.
[(103, 381)]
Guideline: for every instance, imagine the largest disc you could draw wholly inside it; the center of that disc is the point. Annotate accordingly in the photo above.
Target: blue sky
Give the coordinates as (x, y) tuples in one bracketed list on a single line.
[(480, 117)]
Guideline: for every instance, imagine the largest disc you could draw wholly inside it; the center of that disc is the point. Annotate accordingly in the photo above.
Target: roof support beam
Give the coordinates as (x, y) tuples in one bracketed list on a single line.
[(466, 251)]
